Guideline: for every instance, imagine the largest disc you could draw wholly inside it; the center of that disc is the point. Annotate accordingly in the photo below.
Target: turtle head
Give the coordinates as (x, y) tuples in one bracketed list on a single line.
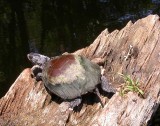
[(38, 59)]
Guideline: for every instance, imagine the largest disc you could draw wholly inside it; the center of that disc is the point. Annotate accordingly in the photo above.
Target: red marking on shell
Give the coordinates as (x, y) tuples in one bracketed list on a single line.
[(59, 65)]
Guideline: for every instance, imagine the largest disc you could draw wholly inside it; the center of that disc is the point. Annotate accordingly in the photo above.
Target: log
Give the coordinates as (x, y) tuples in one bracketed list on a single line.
[(27, 103)]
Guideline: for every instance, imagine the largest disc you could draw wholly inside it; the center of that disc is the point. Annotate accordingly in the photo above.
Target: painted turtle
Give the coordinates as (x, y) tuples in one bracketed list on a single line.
[(69, 76)]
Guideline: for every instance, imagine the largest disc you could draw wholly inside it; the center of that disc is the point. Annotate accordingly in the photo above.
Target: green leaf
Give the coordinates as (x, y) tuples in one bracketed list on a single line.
[(140, 91), (130, 85)]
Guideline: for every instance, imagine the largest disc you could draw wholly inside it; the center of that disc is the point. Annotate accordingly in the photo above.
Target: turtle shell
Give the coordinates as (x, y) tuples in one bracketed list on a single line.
[(70, 76)]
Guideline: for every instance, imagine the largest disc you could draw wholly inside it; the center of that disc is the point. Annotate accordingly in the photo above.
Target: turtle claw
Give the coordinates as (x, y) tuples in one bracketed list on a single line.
[(75, 102)]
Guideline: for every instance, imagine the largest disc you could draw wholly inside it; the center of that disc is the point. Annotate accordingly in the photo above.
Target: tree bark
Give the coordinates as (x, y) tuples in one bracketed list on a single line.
[(27, 103)]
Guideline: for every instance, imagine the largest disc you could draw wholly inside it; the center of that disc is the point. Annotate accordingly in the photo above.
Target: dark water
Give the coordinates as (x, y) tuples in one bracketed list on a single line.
[(56, 26)]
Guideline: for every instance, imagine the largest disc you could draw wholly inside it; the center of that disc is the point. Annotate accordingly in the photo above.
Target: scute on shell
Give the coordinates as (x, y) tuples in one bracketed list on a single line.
[(70, 76)]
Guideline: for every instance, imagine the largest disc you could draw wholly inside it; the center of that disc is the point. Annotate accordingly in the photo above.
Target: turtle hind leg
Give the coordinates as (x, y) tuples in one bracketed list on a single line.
[(75, 102), (106, 86)]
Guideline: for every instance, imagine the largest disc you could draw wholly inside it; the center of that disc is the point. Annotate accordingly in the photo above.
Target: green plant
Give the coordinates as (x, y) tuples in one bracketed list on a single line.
[(130, 85)]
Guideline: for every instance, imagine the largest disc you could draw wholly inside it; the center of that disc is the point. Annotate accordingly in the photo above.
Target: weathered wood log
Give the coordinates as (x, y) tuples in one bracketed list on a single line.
[(27, 103)]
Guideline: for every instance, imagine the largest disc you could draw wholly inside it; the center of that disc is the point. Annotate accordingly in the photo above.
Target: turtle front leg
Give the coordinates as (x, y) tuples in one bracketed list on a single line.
[(105, 84), (36, 72), (75, 102), (38, 77)]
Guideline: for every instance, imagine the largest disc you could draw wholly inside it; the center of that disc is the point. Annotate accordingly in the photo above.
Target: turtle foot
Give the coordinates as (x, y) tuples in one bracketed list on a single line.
[(75, 102), (36, 72), (106, 86)]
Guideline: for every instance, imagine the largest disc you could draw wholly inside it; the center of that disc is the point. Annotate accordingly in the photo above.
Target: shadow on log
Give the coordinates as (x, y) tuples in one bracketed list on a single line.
[(27, 102)]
